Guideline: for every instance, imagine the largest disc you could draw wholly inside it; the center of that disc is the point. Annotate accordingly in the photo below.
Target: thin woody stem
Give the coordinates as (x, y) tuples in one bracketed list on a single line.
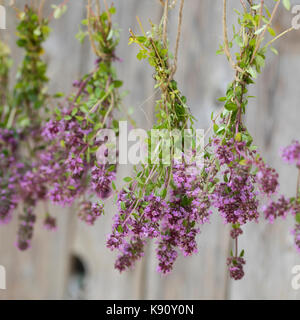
[(226, 43), (98, 8), (298, 186), (265, 30), (244, 5), (214, 121), (260, 13), (178, 38), (41, 7), (165, 23), (108, 13), (61, 5), (141, 26), (279, 36), (90, 32)]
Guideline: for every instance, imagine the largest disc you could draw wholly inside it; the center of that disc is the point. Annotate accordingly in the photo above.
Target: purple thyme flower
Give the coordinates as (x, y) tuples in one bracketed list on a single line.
[(235, 266), (236, 232), (101, 181), (89, 212), (50, 223), (275, 209), (291, 154), (296, 233), (130, 252), (25, 232)]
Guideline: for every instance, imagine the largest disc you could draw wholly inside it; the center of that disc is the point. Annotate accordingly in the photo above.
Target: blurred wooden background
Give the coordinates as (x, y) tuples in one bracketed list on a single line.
[(73, 263)]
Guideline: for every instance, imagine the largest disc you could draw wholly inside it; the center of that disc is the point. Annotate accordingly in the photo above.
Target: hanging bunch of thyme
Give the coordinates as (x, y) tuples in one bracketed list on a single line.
[(161, 201), (21, 120), (237, 176), (21, 126), (71, 158)]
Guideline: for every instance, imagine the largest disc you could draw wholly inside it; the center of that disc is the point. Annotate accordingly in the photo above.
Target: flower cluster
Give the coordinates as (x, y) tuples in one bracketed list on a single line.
[(172, 223), (101, 181), (9, 197), (235, 197), (50, 223), (275, 209), (237, 178), (291, 154), (235, 266), (284, 206), (25, 232), (135, 227), (296, 233), (89, 212)]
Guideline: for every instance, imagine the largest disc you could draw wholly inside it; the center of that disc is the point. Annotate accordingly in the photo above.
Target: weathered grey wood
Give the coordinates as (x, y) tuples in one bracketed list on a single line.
[(273, 119)]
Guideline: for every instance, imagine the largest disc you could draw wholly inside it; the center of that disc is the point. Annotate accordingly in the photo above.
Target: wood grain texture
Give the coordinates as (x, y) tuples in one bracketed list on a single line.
[(273, 119)]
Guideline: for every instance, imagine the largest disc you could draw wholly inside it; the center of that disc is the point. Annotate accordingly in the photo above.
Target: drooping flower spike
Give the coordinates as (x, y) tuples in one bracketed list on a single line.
[(162, 201), (284, 206), (238, 176), (21, 120), (73, 132)]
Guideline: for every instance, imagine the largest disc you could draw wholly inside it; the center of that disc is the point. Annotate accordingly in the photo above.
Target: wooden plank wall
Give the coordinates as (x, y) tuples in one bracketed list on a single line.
[(74, 263)]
